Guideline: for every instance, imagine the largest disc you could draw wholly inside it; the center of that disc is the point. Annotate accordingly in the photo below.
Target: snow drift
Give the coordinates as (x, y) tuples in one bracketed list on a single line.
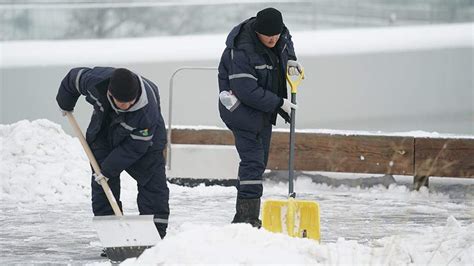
[(242, 244), (41, 163)]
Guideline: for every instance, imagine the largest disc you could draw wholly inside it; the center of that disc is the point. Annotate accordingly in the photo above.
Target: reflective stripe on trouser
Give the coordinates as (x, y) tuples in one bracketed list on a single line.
[(253, 152)]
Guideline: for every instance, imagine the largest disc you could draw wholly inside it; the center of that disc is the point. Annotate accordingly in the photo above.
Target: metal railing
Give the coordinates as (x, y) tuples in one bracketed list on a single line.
[(170, 109)]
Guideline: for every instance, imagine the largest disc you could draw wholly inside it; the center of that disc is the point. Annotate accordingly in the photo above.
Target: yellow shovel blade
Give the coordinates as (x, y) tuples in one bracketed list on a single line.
[(297, 218)]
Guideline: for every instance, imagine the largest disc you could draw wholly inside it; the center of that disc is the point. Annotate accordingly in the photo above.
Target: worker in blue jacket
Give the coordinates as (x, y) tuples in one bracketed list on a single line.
[(126, 132), (253, 91)]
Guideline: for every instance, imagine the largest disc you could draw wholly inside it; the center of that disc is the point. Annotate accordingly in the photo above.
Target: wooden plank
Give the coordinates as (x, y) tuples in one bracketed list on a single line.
[(339, 153), (444, 157), (322, 152), (420, 157), (202, 137)]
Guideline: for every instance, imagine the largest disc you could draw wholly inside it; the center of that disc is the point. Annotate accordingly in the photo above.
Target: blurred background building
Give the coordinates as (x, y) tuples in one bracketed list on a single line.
[(90, 19)]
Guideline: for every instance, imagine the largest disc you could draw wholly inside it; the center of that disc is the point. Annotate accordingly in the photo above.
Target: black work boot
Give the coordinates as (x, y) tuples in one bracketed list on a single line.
[(161, 229), (247, 211)]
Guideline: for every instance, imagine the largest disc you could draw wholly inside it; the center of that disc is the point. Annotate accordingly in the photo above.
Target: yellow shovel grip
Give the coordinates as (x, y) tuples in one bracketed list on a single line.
[(295, 83)]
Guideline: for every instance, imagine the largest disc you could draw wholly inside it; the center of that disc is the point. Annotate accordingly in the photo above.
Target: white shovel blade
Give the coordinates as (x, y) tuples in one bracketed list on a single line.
[(126, 231)]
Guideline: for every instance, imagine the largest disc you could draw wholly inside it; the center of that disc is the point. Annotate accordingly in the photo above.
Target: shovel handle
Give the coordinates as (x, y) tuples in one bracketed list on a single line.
[(296, 82), (93, 161), (291, 162)]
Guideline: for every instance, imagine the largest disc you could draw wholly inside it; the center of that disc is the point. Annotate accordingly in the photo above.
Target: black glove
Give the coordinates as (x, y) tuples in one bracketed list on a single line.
[(284, 115)]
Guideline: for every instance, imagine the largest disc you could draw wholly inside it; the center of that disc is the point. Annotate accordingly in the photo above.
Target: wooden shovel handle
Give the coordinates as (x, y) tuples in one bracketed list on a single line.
[(95, 165)]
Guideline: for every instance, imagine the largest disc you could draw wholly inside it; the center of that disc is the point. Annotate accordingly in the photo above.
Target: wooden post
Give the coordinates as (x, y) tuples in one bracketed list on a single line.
[(420, 181)]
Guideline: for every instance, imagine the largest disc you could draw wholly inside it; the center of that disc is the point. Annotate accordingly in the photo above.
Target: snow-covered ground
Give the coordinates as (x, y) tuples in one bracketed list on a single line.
[(45, 216)]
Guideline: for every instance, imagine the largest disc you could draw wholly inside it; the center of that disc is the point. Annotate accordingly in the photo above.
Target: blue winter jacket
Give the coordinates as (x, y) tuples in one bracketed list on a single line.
[(129, 133), (247, 69)]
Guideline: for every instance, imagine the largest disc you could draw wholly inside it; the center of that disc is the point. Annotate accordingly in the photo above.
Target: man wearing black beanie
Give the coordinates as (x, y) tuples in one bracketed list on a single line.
[(126, 133), (253, 91), (124, 85)]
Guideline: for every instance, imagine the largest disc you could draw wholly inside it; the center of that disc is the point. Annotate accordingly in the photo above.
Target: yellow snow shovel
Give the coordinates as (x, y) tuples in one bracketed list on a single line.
[(122, 236), (297, 218)]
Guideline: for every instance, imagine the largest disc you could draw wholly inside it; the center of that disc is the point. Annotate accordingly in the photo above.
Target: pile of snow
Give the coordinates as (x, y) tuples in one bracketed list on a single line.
[(239, 244), (452, 244), (242, 244), (41, 163)]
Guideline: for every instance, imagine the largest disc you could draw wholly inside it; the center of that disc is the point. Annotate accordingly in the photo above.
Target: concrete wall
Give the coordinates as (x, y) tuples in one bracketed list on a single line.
[(429, 89)]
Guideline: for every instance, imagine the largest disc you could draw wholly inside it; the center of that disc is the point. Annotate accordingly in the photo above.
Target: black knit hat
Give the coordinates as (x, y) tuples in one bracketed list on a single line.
[(269, 22), (124, 85)]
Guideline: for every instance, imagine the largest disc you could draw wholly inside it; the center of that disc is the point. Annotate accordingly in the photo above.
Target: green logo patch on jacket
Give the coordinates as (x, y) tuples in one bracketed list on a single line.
[(144, 132)]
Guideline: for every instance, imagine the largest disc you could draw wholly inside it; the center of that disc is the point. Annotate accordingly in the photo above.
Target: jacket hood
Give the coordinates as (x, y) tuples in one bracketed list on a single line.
[(231, 41)]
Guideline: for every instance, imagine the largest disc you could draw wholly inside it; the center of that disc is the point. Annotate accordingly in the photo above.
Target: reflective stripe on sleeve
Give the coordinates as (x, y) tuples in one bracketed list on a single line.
[(96, 101), (78, 78), (264, 67), (242, 75)]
